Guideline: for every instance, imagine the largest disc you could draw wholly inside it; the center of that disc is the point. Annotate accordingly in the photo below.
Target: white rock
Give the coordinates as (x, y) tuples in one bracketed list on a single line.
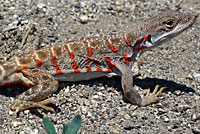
[(82, 4), (166, 119), (26, 111), (16, 123), (22, 132), (10, 112), (84, 19), (127, 117), (41, 5), (35, 131)]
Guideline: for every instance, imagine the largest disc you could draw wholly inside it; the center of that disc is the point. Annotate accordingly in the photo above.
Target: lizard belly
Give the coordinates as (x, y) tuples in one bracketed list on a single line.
[(72, 77)]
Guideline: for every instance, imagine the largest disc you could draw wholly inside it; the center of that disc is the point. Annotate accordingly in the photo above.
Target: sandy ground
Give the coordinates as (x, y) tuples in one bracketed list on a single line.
[(100, 102)]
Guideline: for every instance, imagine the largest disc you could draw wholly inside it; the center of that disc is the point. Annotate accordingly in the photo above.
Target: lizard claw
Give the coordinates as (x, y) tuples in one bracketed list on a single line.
[(153, 97), (20, 105)]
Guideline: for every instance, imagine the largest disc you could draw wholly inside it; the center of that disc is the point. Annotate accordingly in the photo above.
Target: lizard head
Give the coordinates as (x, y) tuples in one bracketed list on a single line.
[(161, 28)]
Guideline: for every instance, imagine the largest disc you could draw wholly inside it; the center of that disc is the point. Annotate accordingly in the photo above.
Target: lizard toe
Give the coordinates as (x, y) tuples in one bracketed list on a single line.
[(20, 105), (151, 98)]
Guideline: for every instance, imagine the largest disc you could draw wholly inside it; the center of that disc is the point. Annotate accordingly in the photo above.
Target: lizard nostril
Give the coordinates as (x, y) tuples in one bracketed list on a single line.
[(188, 18)]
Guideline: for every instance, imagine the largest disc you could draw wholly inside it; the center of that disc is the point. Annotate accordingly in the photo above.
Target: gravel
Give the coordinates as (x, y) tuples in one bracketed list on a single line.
[(100, 102)]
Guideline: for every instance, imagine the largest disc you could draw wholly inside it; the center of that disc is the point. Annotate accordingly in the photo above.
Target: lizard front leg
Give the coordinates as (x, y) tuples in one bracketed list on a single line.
[(131, 94), (44, 85)]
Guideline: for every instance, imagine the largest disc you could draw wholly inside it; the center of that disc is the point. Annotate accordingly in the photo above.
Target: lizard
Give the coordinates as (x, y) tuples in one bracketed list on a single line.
[(90, 58)]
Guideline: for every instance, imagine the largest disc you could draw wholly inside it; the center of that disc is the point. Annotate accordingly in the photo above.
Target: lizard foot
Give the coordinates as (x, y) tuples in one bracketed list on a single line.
[(150, 98), (20, 105)]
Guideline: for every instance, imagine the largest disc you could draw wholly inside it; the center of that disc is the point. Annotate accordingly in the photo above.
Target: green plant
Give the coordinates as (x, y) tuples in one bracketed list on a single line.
[(71, 128)]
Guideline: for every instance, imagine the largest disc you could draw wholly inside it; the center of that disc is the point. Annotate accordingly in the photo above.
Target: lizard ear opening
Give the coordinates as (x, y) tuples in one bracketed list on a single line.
[(149, 38)]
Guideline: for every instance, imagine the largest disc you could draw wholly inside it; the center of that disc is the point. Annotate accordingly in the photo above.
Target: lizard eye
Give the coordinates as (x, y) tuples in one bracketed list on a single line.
[(169, 23)]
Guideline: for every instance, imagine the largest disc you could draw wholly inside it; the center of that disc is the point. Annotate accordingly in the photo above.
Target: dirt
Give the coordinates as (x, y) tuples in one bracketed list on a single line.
[(100, 102)]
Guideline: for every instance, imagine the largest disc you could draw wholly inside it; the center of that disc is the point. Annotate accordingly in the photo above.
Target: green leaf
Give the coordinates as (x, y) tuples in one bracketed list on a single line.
[(75, 125), (48, 126), (65, 127)]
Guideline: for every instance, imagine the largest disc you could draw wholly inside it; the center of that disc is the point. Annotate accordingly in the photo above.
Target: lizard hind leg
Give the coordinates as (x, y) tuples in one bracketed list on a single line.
[(20, 105), (32, 98)]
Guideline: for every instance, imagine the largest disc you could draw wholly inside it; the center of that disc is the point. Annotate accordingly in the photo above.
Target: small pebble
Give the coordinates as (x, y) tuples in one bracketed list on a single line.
[(95, 96), (189, 77), (26, 111), (84, 19), (177, 92), (86, 102), (194, 117), (134, 114), (16, 123), (82, 4), (166, 119), (127, 117), (22, 132), (35, 131), (115, 131), (11, 112), (41, 5)]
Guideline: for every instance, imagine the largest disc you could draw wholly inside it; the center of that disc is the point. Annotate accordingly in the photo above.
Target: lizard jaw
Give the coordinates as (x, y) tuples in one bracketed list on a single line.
[(167, 34)]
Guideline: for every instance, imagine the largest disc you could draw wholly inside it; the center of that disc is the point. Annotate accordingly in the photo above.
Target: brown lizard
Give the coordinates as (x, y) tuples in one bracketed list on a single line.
[(89, 58)]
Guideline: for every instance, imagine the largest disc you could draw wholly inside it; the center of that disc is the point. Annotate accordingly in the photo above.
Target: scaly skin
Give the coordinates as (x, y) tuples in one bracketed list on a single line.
[(89, 58)]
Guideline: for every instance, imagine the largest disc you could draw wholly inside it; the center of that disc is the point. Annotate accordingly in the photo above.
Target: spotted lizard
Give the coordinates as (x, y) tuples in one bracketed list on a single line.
[(89, 58)]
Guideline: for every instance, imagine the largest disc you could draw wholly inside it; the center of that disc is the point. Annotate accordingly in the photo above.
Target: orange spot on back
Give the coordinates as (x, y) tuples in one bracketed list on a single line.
[(88, 69), (140, 48), (39, 63), (90, 52), (144, 37), (112, 48), (88, 61), (99, 69), (126, 59), (72, 55), (109, 68), (124, 56), (128, 42), (110, 65), (96, 63), (74, 65), (25, 67), (138, 40), (58, 71), (107, 59), (76, 71)]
